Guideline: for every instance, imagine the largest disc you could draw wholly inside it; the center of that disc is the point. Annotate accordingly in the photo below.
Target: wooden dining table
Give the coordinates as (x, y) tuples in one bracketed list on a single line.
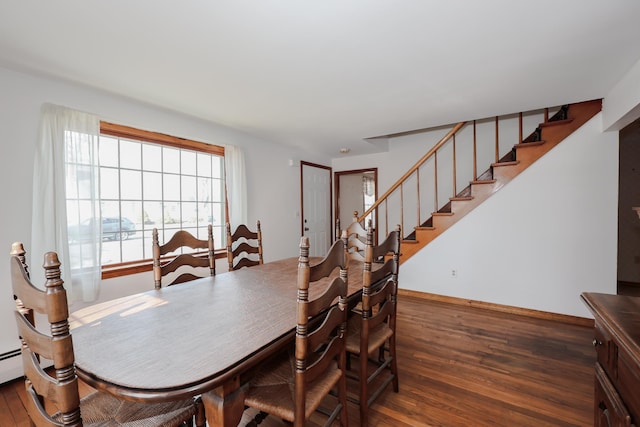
[(197, 338)]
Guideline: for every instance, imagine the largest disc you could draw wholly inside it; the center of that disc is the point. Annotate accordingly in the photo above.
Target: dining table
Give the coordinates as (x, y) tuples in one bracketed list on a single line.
[(199, 338)]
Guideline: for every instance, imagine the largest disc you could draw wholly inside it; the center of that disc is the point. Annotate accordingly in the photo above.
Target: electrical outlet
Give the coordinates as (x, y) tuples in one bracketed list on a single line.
[(454, 273)]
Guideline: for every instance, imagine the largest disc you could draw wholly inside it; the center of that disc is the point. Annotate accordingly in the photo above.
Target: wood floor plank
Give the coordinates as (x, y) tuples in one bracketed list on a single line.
[(12, 409), (462, 366), (6, 418)]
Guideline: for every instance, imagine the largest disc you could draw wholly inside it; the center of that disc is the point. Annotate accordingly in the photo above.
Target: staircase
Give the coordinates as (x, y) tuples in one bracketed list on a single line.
[(549, 133)]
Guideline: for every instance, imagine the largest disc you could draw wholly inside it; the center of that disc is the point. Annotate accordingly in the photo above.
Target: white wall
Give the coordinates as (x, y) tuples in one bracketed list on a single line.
[(273, 185), (548, 235), (621, 106)]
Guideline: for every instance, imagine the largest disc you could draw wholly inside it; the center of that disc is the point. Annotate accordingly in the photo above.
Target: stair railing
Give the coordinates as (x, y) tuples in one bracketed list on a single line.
[(382, 203)]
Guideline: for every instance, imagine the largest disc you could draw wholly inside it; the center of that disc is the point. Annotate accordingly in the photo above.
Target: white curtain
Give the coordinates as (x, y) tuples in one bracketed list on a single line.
[(368, 185), (368, 195), (235, 177), (66, 198)]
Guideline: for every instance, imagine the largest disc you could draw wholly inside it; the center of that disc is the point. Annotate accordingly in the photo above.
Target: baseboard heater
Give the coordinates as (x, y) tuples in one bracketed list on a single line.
[(9, 354)]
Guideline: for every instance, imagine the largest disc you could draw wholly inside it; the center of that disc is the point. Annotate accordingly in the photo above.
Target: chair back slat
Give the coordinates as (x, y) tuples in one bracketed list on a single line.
[(354, 238), (60, 350), (381, 301), (383, 273), (328, 357), (242, 231), (182, 239), (373, 274), (335, 259), (23, 291), (245, 262), (184, 278), (323, 333), (244, 247), (64, 393), (182, 260), (331, 293)]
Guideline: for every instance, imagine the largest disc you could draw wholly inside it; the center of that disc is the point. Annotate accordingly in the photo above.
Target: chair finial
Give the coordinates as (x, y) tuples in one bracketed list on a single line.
[(17, 250), (51, 267)]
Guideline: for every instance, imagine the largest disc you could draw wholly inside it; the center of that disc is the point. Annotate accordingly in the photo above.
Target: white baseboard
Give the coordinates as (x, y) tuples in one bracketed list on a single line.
[(10, 369)]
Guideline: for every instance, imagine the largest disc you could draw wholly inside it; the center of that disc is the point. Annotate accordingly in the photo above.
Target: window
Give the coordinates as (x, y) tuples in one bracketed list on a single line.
[(150, 180)]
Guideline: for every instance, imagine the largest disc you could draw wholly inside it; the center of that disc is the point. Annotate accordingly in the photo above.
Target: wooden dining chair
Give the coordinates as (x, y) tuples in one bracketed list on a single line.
[(59, 384), (182, 239), (293, 386), (244, 247), (355, 238), (372, 332)]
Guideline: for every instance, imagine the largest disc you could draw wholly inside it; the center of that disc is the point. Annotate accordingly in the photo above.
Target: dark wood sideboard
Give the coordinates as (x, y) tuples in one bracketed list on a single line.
[(617, 370)]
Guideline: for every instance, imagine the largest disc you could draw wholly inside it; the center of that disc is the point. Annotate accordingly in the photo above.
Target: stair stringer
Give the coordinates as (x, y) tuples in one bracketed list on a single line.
[(551, 134)]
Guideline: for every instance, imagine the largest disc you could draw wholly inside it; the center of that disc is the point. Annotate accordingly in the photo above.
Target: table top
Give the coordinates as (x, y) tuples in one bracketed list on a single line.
[(186, 339), (621, 315)]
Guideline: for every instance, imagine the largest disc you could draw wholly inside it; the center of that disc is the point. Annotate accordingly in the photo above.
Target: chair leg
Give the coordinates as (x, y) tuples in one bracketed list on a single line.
[(364, 392), (394, 363), (342, 396), (200, 416)]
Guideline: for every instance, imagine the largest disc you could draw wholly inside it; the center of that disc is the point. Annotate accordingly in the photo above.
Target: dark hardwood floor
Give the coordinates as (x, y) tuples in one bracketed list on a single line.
[(464, 366)]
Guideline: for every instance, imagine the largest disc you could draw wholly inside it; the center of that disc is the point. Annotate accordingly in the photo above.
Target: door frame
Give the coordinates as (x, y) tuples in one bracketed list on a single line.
[(338, 175)]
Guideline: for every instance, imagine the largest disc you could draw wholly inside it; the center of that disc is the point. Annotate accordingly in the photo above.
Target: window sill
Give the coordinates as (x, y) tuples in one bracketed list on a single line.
[(125, 269)]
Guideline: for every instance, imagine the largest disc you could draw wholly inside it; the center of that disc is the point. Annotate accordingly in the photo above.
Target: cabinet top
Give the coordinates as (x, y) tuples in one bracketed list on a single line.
[(620, 314)]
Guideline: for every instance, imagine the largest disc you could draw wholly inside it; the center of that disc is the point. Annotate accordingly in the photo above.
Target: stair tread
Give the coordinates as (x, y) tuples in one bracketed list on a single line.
[(511, 163), (484, 181), (410, 241), (442, 214), (461, 199), (555, 123), (529, 144), (424, 227)]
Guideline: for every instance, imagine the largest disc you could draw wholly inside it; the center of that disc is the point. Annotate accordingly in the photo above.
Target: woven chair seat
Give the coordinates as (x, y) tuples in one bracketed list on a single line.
[(272, 389), (377, 336), (103, 410)]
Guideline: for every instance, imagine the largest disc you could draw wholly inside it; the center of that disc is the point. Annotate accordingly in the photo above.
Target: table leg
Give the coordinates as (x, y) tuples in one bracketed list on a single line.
[(224, 405)]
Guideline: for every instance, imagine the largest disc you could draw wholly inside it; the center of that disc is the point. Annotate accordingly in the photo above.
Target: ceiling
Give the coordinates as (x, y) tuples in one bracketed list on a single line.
[(328, 74)]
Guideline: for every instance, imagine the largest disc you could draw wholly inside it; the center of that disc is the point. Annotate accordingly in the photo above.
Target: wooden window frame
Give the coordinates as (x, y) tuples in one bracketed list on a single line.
[(121, 131)]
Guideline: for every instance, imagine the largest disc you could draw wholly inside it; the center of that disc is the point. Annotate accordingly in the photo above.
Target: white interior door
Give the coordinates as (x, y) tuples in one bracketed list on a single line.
[(316, 207)]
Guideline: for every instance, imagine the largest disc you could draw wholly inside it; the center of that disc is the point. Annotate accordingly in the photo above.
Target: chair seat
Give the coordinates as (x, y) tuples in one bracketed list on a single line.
[(377, 335), (273, 387), (104, 410)]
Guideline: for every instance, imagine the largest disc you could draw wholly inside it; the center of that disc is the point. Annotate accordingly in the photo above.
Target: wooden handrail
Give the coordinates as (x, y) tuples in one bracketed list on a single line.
[(402, 190), (410, 172)]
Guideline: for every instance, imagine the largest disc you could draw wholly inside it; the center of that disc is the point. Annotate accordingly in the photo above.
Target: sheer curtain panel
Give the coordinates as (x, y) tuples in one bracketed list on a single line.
[(235, 179), (66, 196)]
